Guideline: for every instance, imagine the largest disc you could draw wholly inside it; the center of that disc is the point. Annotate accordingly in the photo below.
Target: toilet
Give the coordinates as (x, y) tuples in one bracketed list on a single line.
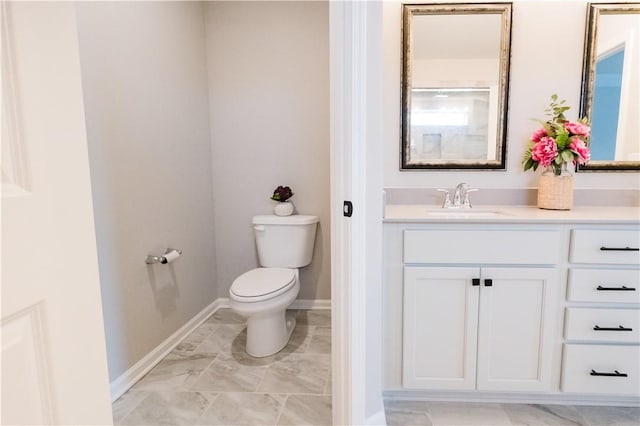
[(262, 295)]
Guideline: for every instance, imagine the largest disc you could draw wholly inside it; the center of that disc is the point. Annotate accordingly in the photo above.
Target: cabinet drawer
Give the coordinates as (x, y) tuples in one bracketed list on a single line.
[(482, 246), (604, 285), (603, 246), (603, 325), (583, 366)]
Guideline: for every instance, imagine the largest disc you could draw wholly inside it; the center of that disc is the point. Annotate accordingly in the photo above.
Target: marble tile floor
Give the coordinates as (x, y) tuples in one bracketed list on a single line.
[(403, 412), (208, 379)]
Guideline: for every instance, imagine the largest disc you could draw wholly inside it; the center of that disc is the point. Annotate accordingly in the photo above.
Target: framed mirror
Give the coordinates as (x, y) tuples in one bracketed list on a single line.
[(455, 78), (611, 86)]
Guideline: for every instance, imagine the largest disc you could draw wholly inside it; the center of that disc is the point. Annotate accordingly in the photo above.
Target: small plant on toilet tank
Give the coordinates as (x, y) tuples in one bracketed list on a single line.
[(282, 194)]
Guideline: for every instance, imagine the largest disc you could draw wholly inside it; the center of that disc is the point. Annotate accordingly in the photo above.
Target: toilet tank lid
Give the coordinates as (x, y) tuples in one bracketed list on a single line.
[(294, 219)]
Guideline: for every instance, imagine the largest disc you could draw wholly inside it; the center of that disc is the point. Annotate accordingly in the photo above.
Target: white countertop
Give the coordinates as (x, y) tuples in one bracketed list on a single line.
[(420, 213)]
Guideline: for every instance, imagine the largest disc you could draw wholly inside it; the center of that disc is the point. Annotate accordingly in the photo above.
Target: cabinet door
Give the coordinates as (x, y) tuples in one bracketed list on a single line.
[(515, 328), (440, 328)]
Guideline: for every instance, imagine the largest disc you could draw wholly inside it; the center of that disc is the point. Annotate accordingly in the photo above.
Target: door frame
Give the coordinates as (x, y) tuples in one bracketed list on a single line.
[(356, 242)]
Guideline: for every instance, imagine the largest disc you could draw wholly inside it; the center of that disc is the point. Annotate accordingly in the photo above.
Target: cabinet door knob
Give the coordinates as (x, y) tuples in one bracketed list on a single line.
[(488, 283), (475, 281)]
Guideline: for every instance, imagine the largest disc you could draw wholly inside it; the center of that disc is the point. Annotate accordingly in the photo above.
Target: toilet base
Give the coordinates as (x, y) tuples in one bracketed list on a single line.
[(267, 335), (268, 329)]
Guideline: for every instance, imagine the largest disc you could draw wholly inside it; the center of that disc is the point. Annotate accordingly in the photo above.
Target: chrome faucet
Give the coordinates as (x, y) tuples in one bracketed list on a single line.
[(461, 190), (460, 197)]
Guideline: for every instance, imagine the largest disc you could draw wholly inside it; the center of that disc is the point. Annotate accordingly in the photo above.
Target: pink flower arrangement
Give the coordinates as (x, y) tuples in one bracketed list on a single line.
[(558, 141)]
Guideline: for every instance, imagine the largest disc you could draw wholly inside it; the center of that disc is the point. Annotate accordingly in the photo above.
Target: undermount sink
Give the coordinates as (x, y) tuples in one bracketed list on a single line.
[(465, 213)]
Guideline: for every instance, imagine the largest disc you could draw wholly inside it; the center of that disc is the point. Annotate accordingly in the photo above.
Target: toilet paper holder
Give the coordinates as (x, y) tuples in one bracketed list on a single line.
[(163, 259)]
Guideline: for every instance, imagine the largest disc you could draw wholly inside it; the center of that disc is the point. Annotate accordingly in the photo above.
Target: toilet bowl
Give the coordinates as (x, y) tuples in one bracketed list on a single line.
[(262, 295)]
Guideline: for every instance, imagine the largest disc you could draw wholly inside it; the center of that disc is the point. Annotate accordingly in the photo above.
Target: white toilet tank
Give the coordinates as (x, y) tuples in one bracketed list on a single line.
[(285, 241)]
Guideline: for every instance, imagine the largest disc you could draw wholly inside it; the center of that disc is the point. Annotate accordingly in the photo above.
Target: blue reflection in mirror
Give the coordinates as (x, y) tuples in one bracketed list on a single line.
[(606, 104)]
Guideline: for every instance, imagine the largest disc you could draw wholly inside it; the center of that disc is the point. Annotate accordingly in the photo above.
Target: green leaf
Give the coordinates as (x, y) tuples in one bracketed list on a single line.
[(558, 159), (562, 139), (567, 156), (529, 163), (549, 128)]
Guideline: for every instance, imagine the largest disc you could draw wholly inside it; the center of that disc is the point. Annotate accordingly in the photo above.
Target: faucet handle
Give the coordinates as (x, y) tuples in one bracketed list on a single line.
[(447, 198), (466, 202)]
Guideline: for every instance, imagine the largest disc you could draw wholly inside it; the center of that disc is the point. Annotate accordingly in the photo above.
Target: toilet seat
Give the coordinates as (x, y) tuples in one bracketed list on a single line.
[(262, 284)]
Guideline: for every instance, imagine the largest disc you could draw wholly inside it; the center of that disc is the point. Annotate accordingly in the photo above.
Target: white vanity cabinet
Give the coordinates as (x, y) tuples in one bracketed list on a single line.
[(472, 319), (477, 328), (601, 353), (529, 305)]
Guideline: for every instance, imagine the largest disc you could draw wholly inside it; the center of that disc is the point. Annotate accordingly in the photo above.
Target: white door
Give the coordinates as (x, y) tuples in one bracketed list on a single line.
[(440, 327), (515, 329), (54, 367)]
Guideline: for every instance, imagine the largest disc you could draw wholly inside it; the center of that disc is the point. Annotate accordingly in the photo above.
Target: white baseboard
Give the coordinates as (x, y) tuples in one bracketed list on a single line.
[(378, 418), (311, 304), (122, 384), (297, 304), (558, 398)]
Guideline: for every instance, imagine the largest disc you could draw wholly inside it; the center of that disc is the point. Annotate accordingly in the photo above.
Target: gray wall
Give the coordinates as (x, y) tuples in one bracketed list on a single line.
[(269, 99), (145, 93)]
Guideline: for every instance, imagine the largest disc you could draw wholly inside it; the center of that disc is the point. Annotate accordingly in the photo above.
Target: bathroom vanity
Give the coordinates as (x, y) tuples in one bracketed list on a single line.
[(512, 303)]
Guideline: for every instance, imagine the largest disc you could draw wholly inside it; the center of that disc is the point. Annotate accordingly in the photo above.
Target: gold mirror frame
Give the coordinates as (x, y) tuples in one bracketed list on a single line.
[(505, 12), (594, 12)]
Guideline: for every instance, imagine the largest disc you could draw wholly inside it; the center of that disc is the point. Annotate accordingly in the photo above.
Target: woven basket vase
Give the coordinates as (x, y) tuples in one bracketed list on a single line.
[(555, 192)]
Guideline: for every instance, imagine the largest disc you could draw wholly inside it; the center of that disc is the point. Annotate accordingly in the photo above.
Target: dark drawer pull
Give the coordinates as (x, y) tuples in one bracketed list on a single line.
[(615, 373), (619, 328), (475, 281), (623, 288), (488, 283), (619, 249)]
